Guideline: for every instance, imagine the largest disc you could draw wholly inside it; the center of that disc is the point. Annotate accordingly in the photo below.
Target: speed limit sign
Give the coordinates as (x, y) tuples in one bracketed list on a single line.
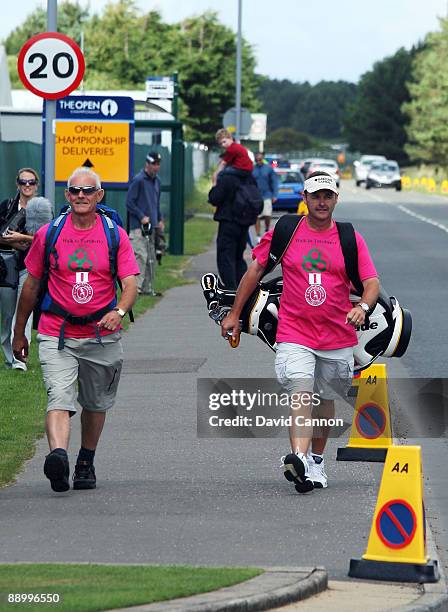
[(51, 65)]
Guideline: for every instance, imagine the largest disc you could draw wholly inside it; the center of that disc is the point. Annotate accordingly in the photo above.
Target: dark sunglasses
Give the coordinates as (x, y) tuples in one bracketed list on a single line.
[(88, 190), (27, 182)]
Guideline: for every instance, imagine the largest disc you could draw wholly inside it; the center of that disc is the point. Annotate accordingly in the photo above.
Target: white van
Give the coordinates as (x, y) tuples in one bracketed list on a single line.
[(362, 167)]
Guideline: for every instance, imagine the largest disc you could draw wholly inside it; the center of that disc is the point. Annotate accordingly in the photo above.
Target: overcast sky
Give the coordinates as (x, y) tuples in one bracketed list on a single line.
[(298, 40)]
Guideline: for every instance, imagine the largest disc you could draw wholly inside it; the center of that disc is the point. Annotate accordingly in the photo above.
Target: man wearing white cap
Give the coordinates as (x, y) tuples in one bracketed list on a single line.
[(316, 325)]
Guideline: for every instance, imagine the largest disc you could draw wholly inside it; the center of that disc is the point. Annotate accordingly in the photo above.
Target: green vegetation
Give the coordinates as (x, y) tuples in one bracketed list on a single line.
[(288, 139), (23, 396), (122, 46), (88, 588), (428, 110), (375, 122), (313, 109)]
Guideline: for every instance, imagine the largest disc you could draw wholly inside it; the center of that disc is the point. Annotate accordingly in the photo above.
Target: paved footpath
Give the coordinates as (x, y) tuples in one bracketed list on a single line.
[(165, 496)]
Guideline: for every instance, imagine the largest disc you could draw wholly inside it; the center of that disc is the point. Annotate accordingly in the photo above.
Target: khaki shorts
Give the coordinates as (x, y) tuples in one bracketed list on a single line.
[(300, 368), (267, 208), (84, 370)]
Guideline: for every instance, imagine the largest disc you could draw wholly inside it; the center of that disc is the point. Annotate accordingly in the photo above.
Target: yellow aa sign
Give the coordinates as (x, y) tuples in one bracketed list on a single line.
[(396, 549), (398, 529), (371, 433)]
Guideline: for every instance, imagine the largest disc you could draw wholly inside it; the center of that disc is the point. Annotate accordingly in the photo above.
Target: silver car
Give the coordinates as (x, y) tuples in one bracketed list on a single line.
[(362, 167), (384, 174)]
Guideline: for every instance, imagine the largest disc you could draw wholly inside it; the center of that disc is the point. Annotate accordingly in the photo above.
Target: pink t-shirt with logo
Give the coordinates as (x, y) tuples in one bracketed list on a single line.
[(80, 280), (315, 298)]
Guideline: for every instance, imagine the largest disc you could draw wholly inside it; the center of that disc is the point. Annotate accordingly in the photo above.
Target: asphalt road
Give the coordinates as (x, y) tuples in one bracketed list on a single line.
[(166, 496)]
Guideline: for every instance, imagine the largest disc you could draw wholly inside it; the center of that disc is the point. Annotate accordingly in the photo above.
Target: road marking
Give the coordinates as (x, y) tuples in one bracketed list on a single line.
[(424, 219)]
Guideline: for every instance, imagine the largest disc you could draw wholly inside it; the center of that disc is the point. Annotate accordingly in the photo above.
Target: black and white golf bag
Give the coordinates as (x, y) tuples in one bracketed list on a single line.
[(386, 331)]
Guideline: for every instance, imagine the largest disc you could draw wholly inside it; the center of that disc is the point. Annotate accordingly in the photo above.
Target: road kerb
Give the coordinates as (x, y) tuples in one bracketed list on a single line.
[(277, 586)]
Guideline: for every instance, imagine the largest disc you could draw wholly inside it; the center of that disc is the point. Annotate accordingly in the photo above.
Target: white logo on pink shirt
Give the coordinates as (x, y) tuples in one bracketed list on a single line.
[(315, 294), (82, 292)]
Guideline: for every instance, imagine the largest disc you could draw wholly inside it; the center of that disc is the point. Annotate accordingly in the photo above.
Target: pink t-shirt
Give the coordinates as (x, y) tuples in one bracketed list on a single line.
[(237, 156), (80, 281), (315, 298)]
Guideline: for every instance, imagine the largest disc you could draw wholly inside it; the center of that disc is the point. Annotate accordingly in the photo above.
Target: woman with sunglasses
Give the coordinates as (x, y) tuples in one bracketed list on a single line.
[(15, 238)]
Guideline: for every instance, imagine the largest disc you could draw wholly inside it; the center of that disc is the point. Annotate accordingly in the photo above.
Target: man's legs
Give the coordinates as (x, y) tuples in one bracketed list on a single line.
[(226, 254), (140, 247), (334, 371), (7, 309), (92, 424), (99, 375), (267, 222), (16, 363), (240, 246), (294, 366), (150, 268)]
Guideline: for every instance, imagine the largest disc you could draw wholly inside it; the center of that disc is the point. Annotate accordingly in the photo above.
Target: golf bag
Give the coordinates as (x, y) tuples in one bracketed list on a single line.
[(386, 331)]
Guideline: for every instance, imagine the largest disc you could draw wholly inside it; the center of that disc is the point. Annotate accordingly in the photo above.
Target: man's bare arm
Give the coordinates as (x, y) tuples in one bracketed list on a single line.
[(245, 289), (27, 301)]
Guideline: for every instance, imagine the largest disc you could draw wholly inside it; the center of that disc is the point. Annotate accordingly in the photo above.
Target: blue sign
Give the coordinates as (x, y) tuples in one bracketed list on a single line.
[(95, 108), (396, 524), (370, 421)]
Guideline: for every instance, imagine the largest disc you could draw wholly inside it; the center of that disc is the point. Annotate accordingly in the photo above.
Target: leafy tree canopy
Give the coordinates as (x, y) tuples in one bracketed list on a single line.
[(315, 109), (375, 122), (428, 108), (284, 140), (123, 47)]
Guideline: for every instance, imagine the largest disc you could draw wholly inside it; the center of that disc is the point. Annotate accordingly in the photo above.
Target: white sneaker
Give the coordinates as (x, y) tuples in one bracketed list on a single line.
[(19, 365), (317, 472), (296, 470)]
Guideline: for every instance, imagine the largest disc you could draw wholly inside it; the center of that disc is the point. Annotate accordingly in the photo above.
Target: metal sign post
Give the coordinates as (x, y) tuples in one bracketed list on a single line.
[(50, 116), (51, 65), (238, 76)]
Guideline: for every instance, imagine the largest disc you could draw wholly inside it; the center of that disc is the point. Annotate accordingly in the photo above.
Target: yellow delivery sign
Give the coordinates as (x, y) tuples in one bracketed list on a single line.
[(105, 147), (96, 132)]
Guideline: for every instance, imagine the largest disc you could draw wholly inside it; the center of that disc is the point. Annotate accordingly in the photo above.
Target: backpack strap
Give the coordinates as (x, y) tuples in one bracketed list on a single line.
[(349, 248), (113, 242), (284, 231)]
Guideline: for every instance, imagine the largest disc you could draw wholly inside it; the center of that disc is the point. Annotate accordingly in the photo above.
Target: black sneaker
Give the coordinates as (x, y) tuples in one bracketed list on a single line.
[(57, 470), (295, 468), (84, 476)]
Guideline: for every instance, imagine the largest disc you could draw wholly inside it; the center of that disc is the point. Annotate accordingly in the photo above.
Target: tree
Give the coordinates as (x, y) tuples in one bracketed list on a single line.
[(428, 109), (375, 122), (207, 69), (71, 20), (122, 47), (284, 140), (314, 109)]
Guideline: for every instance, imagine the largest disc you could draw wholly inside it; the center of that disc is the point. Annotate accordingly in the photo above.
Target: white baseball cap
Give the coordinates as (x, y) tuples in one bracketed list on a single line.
[(323, 181)]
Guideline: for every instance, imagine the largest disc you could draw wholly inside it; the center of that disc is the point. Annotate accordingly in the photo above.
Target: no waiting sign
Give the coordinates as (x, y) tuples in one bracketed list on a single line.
[(51, 65)]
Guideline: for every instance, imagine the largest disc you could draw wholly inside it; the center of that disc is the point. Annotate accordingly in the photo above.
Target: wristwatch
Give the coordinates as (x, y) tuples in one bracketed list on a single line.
[(120, 311), (364, 306)]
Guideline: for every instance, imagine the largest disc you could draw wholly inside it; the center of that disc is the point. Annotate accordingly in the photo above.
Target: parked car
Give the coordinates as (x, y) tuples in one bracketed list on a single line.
[(384, 174), (306, 164), (290, 189), (326, 165), (277, 161), (362, 167)]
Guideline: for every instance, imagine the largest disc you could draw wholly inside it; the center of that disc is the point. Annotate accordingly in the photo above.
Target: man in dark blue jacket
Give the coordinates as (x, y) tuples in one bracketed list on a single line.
[(143, 204), (267, 183)]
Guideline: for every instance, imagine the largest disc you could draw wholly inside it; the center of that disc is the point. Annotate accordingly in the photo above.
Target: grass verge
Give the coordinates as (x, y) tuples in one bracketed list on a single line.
[(85, 588), (23, 398)]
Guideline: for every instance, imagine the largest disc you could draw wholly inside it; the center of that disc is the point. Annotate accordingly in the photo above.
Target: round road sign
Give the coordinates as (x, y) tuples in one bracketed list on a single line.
[(370, 421), (51, 65), (396, 523)]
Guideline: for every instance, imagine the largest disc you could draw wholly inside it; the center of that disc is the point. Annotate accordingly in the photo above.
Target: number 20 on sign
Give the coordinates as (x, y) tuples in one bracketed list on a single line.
[(51, 65)]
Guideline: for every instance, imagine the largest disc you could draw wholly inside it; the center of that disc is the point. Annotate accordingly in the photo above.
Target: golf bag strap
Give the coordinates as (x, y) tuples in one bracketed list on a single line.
[(284, 231), (350, 252)]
